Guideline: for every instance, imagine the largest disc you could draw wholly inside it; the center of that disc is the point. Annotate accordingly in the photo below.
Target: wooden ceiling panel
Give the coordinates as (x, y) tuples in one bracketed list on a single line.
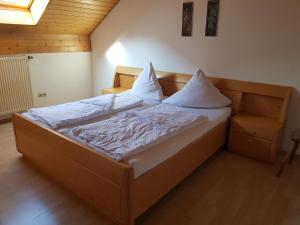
[(68, 16), (14, 43), (65, 26)]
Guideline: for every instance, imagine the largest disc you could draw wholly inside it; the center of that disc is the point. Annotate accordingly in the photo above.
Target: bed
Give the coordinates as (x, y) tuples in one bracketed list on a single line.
[(117, 188)]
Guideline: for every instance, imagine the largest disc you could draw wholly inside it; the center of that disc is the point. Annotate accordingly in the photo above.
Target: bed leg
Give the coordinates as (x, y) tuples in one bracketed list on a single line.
[(128, 221), (131, 222)]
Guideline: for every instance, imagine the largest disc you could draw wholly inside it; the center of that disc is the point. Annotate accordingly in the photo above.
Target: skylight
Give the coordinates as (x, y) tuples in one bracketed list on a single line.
[(25, 12), (16, 3)]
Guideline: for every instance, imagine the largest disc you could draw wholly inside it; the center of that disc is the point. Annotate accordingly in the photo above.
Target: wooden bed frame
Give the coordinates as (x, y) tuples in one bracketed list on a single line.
[(109, 185)]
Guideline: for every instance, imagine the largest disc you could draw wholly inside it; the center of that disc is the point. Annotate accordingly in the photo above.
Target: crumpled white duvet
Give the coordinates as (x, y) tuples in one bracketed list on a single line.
[(128, 134), (57, 116)]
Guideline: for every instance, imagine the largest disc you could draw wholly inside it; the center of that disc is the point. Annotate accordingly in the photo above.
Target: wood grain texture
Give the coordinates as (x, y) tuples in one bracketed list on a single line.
[(102, 182), (236, 99), (95, 178), (258, 126), (39, 43), (259, 110), (180, 165), (255, 136), (263, 105), (205, 197), (46, 148), (249, 97), (64, 27), (113, 90), (108, 185), (221, 83)]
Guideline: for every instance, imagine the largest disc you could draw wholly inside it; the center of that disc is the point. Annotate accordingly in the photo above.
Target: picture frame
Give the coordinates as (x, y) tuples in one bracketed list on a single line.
[(212, 18), (187, 19)]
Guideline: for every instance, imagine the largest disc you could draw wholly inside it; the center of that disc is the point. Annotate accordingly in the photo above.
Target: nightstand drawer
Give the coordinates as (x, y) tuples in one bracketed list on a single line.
[(251, 130), (250, 146), (257, 126)]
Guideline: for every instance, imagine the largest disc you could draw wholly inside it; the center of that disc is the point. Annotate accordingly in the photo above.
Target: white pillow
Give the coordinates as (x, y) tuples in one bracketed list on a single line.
[(147, 85), (199, 92)]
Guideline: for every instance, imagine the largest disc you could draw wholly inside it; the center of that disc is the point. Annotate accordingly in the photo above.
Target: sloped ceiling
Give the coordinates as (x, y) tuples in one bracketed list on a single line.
[(65, 26)]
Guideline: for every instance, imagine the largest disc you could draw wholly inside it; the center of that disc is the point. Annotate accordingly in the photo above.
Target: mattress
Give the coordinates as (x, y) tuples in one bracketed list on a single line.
[(146, 160)]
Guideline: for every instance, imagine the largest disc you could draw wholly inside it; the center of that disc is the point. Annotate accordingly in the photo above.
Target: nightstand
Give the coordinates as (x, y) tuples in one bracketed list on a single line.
[(115, 90), (255, 136)]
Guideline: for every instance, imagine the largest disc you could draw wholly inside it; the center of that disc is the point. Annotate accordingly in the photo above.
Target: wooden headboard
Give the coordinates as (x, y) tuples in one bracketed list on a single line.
[(249, 97)]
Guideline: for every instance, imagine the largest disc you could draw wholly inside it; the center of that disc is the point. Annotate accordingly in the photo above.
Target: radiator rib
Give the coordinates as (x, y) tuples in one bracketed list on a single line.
[(15, 85)]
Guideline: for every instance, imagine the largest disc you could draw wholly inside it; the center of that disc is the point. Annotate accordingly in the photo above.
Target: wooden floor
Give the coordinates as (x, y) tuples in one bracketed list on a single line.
[(227, 190)]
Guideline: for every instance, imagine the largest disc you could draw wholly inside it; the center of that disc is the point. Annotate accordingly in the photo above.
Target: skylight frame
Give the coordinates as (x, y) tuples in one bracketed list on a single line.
[(23, 16), (16, 3)]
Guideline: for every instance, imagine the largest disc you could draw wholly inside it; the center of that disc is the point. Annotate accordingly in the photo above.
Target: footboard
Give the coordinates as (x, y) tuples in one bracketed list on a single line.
[(161, 179), (95, 178)]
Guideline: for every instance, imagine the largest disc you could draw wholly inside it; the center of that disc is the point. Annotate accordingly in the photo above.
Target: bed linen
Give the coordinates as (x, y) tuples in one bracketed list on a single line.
[(147, 160), (199, 92), (134, 131), (156, 154), (61, 115), (146, 85)]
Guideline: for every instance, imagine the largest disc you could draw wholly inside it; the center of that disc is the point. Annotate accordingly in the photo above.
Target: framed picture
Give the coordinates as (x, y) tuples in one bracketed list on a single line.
[(187, 19), (212, 18)]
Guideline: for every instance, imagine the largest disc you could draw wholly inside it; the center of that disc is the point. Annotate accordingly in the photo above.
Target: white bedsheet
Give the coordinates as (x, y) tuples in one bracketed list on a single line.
[(57, 116), (135, 131), (146, 160)]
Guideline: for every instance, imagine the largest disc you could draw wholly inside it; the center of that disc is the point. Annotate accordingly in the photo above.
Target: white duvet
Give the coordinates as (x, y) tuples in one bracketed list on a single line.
[(61, 115), (128, 134)]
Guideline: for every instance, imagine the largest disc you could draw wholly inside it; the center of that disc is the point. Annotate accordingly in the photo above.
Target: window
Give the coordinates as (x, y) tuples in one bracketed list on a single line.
[(26, 12)]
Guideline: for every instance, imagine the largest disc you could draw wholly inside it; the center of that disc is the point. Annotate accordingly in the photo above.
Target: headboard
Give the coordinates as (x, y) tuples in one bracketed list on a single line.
[(248, 97)]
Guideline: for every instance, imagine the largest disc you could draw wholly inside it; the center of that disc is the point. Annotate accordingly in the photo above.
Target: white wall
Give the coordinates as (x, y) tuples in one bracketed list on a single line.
[(258, 40), (63, 76)]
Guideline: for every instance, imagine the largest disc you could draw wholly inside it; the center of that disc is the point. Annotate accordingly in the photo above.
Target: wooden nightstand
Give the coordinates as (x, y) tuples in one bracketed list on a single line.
[(255, 136), (115, 90)]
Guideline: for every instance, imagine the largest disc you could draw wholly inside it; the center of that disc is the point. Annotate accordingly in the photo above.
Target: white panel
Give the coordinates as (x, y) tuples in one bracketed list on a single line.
[(15, 85)]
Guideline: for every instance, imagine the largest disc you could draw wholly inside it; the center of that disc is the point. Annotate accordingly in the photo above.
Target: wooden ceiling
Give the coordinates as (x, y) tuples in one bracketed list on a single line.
[(65, 26)]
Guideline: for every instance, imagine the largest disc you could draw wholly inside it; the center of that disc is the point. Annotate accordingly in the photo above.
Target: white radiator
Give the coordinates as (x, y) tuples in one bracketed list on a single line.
[(15, 85)]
